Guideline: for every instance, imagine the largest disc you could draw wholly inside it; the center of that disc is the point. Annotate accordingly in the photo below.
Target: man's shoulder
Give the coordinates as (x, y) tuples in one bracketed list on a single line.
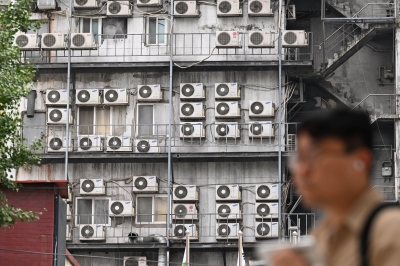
[(388, 220)]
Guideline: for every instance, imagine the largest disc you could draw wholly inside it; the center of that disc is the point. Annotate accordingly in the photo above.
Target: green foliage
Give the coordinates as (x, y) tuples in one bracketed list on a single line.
[(14, 80)]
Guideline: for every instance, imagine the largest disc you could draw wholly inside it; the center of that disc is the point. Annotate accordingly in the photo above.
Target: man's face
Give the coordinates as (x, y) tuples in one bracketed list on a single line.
[(323, 172)]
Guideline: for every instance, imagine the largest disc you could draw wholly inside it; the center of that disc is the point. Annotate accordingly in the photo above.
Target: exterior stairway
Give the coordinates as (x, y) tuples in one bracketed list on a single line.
[(345, 42)]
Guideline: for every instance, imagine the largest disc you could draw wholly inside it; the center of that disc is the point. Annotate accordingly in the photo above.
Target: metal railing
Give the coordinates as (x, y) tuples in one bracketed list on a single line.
[(203, 227), (198, 137), (188, 47), (375, 11), (378, 105)]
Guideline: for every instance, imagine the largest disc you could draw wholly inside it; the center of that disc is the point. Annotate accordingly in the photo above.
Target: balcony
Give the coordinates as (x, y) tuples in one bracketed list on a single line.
[(142, 141), (120, 232), (131, 50)]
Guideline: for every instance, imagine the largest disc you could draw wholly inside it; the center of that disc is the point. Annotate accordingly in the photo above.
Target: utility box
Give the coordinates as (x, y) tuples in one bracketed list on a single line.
[(387, 169)]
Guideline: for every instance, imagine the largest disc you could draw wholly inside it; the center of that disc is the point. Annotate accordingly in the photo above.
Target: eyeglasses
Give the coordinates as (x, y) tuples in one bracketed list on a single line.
[(313, 158)]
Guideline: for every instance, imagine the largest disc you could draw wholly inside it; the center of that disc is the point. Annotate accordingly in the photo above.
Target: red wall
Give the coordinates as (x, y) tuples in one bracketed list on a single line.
[(32, 236)]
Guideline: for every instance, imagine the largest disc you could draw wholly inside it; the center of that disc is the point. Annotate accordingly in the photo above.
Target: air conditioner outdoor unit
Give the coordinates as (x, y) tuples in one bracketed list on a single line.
[(92, 232), (261, 39), (228, 39), (192, 111), (294, 38), (261, 130), (116, 97), (227, 231), (118, 9), (147, 146), (227, 110), (119, 144), (135, 261), (149, 3), (185, 193), (187, 211), (26, 42), (58, 144), (192, 130), (145, 184), (227, 91), (228, 130), (267, 210), (180, 232), (192, 91), (118, 208), (227, 8), (90, 143), (228, 211), (260, 8), (228, 193), (53, 41), (186, 9), (266, 229), (291, 142), (92, 187), (267, 191), (46, 4), (56, 97), (58, 116), (261, 109), (83, 41), (149, 93), (88, 97), (78, 4)]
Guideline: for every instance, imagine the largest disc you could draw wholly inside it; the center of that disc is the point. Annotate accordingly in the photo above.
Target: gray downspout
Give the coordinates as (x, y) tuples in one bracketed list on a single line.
[(68, 91), (280, 117), (162, 251), (169, 183)]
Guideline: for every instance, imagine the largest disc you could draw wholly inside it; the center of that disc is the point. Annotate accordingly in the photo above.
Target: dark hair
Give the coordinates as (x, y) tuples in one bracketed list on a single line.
[(352, 127)]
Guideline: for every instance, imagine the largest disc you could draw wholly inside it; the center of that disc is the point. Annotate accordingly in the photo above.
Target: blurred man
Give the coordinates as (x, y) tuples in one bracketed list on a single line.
[(332, 171)]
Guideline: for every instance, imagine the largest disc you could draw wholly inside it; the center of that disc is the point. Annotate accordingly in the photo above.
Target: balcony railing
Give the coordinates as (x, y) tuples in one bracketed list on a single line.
[(191, 138), (121, 229), (188, 47)]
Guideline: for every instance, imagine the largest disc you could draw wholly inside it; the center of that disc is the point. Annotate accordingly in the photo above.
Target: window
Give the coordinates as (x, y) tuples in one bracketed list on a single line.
[(91, 25), (115, 28), (94, 120), (148, 115), (151, 208), (92, 211), (156, 31)]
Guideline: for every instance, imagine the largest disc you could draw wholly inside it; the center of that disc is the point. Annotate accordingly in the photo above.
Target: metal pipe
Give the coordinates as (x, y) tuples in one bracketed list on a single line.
[(279, 117), (171, 72), (162, 252), (187, 247), (68, 91), (240, 247)]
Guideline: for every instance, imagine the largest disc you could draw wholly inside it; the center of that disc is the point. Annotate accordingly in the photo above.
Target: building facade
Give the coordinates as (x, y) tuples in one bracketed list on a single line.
[(204, 98)]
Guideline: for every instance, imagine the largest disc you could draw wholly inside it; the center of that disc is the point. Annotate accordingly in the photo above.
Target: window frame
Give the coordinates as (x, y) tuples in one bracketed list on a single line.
[(147, 22), (93, 198), (137, 121), (152, 196), (94, 121), (99, 29)]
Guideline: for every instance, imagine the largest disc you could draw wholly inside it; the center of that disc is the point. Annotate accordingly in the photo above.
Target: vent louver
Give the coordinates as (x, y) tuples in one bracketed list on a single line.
[(263, 229), (87, 185), (223, 192), (141, 183), (181, 192), (87, 231), (111, 95)]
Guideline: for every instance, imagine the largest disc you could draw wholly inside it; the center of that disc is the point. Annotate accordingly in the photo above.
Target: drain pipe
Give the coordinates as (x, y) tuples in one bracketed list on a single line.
[(280, 117), (171, 73), (162, 251), (68, 92)]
